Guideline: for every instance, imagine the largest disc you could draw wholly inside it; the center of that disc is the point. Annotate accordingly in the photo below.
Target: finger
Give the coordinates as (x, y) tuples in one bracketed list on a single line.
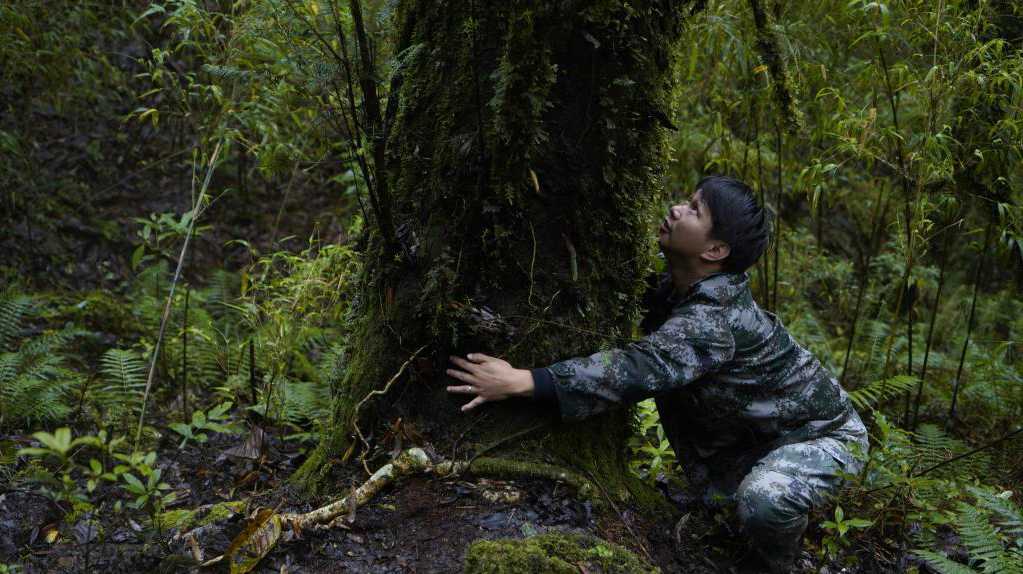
[(479, 358), (471, 367), (473, 404), (461, 375), (462, 389)]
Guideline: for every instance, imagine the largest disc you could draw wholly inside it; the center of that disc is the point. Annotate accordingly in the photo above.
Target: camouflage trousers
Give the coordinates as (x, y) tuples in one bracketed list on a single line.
[(774, 492)]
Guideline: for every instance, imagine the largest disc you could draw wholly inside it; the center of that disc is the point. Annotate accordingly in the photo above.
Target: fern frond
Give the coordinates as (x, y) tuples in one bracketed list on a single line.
[(941, 564), (332, 366), (1005, 512), (221, 293), (979, 535), (877, 392), (12, 310), (124, 375), (51, 342)]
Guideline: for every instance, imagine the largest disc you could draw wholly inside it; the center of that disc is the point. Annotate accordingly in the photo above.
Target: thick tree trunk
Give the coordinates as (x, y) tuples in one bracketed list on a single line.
[(525, 152)]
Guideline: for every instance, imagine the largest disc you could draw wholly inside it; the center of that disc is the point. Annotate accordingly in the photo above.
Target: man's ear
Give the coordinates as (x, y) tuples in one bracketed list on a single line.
[(717, 251)]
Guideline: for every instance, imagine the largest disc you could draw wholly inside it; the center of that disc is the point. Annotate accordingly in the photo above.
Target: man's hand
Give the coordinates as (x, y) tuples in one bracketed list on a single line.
[(490, 379)]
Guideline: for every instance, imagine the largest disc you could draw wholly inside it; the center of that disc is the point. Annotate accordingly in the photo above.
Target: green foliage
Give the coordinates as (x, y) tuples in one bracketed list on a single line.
[(990, 549), (652, 455), (124, 379), (35, 380), (60, 474), (212, 420), (838, 528), (871, 395)]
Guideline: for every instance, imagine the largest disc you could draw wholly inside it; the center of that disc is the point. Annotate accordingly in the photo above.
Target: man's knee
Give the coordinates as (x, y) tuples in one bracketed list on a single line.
[(768, 500)]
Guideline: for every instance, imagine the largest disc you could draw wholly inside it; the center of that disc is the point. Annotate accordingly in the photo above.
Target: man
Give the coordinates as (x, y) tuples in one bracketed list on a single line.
[(752, 416)]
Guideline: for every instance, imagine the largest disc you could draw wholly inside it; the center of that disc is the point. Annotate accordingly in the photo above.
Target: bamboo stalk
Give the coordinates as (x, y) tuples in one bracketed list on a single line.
[(957, 386), (875, 225), (252, 371), (777, 203), (184, 358), (764, 261), (197, 211), (930, 330)]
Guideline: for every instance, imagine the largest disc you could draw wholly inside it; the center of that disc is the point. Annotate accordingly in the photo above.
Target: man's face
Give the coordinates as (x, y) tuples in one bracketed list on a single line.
[(686, 229)]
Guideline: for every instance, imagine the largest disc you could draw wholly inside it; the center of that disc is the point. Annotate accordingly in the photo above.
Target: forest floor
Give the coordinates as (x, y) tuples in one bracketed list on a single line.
[(420, 524)]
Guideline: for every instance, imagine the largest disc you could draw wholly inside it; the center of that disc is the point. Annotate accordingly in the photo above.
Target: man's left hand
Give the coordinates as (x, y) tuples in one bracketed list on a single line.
[(489, 378)]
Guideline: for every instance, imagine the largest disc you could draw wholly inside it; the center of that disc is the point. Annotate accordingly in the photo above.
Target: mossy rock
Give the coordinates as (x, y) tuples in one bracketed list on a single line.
[(554, 553)]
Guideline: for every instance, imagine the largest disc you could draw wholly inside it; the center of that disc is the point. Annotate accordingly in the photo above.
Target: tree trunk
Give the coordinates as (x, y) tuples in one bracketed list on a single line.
[(525, 150)]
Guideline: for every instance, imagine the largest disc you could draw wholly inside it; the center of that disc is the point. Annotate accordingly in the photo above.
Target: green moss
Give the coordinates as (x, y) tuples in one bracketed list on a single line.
[(524, 161), (769, 49), (554, 553), (517, 468), (186, 519)]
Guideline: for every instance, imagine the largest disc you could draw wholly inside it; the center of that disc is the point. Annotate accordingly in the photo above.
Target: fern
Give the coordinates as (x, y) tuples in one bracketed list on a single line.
[(983, 540), (34, 383), (124, 377), (332, 366), (941, 564), (979, 535), (12, 309), (877, 392), (1007, 514), (933, 446)]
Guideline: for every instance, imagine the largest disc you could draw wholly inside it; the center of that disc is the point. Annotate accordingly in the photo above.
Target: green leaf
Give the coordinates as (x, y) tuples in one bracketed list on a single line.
[(34, 451), (134, 484), (137, 255), (59, 441)]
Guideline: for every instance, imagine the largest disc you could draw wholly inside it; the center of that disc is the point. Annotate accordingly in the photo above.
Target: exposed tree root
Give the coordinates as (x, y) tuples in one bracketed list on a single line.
[(267, 527)]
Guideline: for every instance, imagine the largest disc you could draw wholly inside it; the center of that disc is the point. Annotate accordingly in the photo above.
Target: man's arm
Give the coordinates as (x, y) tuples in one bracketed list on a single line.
[(687, 346)]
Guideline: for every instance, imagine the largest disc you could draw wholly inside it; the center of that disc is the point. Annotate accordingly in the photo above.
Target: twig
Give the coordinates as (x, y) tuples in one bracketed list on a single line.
[(374, 393), (197, 211), (936, 466)]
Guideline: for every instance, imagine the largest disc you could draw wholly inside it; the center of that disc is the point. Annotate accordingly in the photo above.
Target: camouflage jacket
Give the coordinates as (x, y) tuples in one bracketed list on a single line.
[(727, 376)]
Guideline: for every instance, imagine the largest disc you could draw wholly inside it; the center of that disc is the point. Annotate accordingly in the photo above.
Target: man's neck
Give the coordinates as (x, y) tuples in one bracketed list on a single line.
[(684, 276)]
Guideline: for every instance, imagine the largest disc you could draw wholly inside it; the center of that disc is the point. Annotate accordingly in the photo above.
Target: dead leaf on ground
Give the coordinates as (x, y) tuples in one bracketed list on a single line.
[(256, 541), (251, 449)]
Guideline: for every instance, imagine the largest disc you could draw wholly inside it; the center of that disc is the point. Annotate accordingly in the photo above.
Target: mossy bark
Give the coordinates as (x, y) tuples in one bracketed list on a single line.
[(526, 147)]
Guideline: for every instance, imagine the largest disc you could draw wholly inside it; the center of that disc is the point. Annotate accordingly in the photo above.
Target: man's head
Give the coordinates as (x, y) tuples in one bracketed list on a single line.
[(720, 225)]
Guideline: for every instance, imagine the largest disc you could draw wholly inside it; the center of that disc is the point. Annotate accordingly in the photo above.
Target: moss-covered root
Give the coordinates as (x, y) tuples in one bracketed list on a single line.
[(554, 553), (183, 520), (500, 467)]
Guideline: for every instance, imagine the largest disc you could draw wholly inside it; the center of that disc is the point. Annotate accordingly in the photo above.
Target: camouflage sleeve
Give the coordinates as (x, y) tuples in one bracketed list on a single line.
[(688, 345)]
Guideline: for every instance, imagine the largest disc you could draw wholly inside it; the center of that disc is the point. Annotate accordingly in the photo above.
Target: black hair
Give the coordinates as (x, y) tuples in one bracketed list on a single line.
[(737, 220)]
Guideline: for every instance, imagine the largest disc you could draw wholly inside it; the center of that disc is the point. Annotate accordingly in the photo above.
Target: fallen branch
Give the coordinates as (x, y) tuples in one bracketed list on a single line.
[(267, 527)]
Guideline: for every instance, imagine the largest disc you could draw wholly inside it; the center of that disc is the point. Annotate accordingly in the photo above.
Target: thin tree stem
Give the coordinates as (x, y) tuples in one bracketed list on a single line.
[(778, 206), (930, 329), (875, 227), (196, 212), (957, 385), (184, 358)]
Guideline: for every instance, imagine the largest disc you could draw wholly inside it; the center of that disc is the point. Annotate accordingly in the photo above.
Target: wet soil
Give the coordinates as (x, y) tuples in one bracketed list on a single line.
[(420, 524)]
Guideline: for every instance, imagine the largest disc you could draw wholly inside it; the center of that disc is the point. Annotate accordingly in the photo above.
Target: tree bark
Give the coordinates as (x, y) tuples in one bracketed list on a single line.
[(524, 161)]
